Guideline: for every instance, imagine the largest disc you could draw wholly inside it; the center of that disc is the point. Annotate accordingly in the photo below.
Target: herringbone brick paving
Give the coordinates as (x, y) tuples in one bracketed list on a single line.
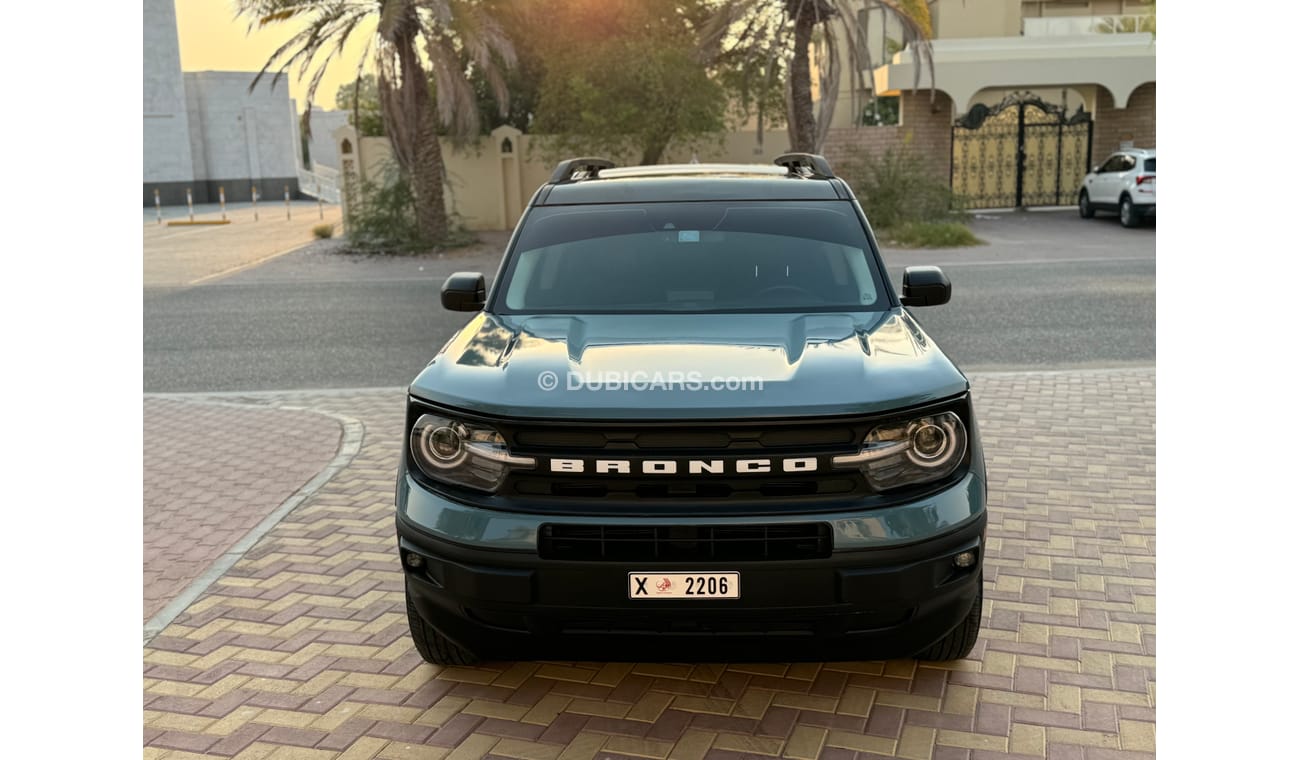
[(301, 651), (203, 492)]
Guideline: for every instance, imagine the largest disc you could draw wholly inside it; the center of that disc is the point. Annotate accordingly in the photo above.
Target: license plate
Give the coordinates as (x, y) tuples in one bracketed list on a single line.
[(683, 585)]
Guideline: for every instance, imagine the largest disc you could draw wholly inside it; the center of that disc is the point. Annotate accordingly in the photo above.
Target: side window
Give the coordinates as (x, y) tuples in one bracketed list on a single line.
[(1126, 163), (1113, 163)]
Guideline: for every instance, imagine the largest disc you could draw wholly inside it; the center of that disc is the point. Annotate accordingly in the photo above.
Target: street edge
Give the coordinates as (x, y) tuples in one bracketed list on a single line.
[(236, 269), (353, 433)]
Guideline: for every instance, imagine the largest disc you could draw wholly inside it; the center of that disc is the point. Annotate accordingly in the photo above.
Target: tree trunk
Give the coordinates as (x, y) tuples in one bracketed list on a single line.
[(803, 126), (427, 185), (653, 150), (422, 155)]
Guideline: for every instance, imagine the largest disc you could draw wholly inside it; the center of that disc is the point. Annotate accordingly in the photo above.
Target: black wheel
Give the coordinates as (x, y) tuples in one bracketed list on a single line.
[(1085, 206), (960, 640), (433, 646), (1128, 214)]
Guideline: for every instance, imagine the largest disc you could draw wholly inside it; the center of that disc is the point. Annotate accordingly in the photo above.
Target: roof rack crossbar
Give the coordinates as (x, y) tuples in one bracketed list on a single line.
[(588, 166), (806, 164)]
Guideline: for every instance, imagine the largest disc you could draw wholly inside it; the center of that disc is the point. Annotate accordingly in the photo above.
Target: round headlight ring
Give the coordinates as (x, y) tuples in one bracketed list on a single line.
[(944, 430), (929, 441), (444, 446)]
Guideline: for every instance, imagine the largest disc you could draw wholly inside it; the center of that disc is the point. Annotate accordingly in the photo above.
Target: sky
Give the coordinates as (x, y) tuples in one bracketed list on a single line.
[(212, 39)]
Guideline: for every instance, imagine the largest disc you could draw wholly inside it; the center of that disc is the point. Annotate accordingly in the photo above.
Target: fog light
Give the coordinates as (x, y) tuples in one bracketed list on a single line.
[(414, 560), (965, 559)]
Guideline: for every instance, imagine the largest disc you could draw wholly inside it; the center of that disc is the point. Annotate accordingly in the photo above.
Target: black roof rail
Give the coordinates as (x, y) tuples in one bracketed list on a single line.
[(589, 165), (806, 164)]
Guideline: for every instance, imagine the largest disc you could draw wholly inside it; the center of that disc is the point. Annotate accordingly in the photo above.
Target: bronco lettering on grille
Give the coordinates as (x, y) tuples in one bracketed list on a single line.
[(684, 466)]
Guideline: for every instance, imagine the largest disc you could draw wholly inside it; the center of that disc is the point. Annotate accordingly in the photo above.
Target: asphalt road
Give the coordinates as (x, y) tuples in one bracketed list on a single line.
[(1051, 291)]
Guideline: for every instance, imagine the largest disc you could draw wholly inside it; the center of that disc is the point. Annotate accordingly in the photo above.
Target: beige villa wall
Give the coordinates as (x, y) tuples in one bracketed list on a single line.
[(1134, 124), (492, 180), (924, 128)]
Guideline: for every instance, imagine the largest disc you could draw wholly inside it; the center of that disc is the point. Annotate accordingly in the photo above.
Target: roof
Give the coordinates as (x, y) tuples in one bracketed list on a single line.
[(733, 170), (690, 187)]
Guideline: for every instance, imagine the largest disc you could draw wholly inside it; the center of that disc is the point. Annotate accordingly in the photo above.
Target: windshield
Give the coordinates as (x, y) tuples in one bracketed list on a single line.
[(691, 257)]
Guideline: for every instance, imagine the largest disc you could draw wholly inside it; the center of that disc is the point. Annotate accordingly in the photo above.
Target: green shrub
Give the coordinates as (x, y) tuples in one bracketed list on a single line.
[(898, 186), (906, 201), (385, 219), (929, 235), (323, 231)]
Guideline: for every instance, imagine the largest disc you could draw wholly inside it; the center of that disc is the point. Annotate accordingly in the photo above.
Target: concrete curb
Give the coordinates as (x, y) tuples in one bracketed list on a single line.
[(247, 265), (200, 395), (353, 434)]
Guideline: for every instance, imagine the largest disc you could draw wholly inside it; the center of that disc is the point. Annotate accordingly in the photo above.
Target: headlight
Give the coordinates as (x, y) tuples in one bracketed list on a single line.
[(917, 451), (463, 453)]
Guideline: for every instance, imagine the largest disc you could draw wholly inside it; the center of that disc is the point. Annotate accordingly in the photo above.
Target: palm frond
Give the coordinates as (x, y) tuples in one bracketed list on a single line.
[(332, 24), (828, 66), (457, 109), (488, 48), (400, 134), (913, 14)]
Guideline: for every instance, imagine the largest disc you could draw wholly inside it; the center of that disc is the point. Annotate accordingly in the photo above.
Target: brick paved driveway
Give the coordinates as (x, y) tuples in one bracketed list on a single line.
[(300, 650), (204, 492)]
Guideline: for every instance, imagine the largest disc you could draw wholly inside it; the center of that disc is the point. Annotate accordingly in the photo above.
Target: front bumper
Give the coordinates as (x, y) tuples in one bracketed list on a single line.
[(889, 588)]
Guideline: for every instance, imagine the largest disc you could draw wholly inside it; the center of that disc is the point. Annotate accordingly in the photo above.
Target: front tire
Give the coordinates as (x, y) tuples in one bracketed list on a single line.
[(1128, 214), (433, 646), (1085, 206), (961, 640)]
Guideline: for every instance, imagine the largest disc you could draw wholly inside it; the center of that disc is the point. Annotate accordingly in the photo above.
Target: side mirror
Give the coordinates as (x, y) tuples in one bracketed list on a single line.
[(464, 291), (1096, 169), (925, 286)]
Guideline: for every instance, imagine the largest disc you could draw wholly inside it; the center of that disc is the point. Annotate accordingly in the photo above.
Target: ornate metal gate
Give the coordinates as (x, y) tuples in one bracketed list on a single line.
[(1020, 152)]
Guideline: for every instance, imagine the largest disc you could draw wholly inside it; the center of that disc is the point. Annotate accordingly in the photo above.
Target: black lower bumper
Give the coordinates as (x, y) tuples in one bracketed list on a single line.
[(867, 604)]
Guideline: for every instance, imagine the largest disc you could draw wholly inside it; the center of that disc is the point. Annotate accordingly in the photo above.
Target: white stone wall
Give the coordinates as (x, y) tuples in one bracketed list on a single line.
[(324, 150), (167, 155), (240, 134)]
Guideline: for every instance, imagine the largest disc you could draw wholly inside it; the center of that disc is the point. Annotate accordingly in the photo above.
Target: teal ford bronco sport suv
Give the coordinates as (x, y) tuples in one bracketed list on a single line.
[(692, 405)]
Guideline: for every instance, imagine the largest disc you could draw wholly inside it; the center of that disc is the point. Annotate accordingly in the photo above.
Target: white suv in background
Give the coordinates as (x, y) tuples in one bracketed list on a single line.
[(1124, 182)]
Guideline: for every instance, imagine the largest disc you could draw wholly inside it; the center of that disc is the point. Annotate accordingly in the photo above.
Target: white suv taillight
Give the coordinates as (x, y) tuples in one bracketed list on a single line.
[(1141, 178)]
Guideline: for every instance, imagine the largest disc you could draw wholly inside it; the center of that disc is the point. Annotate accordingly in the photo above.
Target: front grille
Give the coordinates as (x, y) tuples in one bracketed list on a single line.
[(711, 440), (685, 543)]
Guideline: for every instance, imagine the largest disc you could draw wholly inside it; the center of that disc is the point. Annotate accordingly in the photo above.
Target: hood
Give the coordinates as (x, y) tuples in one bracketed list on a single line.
[(715, 366)]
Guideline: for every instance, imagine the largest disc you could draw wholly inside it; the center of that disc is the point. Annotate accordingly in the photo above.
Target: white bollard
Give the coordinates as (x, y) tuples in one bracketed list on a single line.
[(288, 213), (221, 194), (189, 201), (255, 203), (157, 204)]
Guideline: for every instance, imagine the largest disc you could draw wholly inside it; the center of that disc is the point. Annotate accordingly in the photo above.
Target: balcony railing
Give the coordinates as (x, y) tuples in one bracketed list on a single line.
[(1060, 26)]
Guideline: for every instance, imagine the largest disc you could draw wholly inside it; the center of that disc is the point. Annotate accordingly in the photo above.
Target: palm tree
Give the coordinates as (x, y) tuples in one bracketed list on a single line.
[(796, 30), (451, 37)]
